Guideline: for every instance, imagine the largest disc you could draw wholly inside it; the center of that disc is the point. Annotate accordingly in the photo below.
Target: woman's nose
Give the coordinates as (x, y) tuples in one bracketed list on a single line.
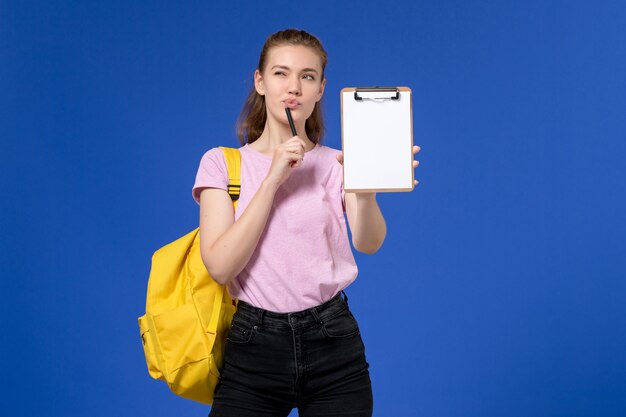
[(294, 86)]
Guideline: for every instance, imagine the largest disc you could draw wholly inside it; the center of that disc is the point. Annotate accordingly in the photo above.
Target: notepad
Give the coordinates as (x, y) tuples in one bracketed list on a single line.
[(377, 139)]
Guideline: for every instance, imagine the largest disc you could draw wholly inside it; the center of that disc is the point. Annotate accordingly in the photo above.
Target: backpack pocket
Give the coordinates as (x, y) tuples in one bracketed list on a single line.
[(148, 348), (181, 339), (182, 348)]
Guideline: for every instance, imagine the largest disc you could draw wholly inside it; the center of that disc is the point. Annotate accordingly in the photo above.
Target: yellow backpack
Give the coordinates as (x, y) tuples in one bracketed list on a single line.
[(188, 313)]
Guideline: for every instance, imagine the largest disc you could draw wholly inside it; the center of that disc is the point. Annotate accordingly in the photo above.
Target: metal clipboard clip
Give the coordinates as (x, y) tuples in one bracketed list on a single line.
[(382, 93)]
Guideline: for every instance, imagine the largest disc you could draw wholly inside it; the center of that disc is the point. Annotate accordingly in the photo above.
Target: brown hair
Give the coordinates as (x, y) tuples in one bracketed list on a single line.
[(252, 119)]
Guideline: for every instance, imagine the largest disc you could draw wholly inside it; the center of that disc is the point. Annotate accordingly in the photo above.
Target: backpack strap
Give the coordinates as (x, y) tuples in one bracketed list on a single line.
[(232, 157)]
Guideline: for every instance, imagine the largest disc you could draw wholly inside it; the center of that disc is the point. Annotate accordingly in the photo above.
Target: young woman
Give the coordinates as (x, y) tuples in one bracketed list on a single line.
[(285, 254)]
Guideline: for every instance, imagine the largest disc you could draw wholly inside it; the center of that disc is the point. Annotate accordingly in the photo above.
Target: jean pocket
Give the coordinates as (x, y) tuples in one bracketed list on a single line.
[(241, 331), (342, 325)]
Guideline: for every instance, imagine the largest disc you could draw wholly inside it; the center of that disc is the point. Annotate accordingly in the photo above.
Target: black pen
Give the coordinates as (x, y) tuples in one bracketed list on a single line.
[(291, 125)]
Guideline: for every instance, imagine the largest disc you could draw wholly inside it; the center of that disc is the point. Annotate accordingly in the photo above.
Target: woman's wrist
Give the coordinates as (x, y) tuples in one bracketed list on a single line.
[(269, 186), (365, 196)]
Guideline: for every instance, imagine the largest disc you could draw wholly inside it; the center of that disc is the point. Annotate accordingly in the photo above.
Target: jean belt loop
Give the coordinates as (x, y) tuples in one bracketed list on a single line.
[(315, 315), (345, 296), (259, 313)]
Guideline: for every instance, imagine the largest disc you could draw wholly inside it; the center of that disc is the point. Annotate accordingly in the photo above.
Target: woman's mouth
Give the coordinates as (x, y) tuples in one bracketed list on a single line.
[(292, 104)]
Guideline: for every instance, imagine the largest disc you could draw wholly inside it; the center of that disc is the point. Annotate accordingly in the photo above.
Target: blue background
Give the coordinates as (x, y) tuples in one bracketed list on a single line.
[(501, 287)]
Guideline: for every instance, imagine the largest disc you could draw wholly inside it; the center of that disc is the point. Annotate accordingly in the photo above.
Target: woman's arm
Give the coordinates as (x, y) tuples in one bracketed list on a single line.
[(226, 246), (366, 221)]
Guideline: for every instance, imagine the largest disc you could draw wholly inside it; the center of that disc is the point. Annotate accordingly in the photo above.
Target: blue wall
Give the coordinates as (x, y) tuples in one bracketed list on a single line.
[(500, 290)]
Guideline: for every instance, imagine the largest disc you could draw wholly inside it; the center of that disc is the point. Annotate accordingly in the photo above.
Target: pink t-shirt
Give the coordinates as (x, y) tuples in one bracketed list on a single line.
[(303, 257)]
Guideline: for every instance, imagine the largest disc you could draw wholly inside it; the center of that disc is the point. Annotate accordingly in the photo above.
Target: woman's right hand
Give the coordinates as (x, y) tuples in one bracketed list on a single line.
[(287, 156)]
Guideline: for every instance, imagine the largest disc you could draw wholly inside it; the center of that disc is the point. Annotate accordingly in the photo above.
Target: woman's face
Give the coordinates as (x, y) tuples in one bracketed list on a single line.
[(291, 78)]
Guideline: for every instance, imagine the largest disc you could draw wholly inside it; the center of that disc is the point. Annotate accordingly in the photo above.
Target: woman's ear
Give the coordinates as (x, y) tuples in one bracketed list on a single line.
[(321, 92), (258, 83)]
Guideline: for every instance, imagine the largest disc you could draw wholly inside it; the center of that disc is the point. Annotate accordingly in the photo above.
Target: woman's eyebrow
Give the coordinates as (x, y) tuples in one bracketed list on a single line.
[(287, 68)]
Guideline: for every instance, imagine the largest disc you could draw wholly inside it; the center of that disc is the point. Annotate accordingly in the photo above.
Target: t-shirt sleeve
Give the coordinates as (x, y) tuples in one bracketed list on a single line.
[(212, 173)]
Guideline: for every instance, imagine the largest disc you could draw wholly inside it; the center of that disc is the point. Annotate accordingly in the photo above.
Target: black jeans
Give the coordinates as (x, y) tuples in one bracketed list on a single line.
[(313, 360)]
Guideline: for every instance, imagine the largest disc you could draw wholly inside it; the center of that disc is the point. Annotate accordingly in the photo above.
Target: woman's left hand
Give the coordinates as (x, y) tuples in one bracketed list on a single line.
[(416, 149)]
